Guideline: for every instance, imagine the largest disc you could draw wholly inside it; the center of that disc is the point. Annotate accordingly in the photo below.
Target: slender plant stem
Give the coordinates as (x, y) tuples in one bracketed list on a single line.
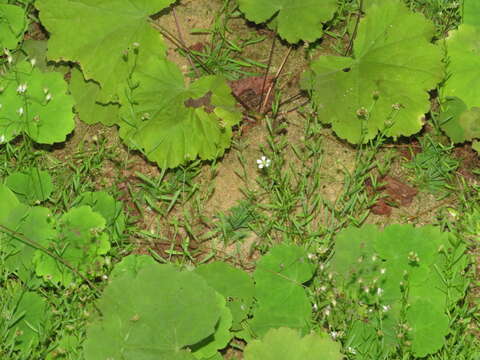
[(274, 81), (354, 35), (267, 71)]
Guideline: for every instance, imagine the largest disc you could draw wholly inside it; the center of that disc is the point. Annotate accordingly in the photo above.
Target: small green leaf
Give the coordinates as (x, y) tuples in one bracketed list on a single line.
[(286, 344), (286, 14), (384, 86), (281, 298), (81, 242), (12, 25), (152, 315), (111, 210), (35, 103), (31, 186)]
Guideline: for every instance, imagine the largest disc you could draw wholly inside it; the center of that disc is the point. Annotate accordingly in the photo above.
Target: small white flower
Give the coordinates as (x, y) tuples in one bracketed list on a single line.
[(334, 302), (2, 139), (21, 88), (263, 162), (351, 350), (385, 308), (315, 307), (48, 97), (311, 256), (334, 335), (327, 311), (10, 59), (382, 271), (33, 62), (136, 44), (323, 288), (380, 291), (104, 277), (20, 111)]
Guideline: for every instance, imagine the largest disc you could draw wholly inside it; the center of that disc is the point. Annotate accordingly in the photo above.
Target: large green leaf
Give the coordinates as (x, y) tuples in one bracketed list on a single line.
[(471, 12), (383, 86), (234, 284), (463, 51), (97, 33), (12, 25), (281, 298), (173, 123), (42, 109), (153, 315), (422, 259), (295, 20), (429, 328), (286, 344), (85, 94), (208, 347)]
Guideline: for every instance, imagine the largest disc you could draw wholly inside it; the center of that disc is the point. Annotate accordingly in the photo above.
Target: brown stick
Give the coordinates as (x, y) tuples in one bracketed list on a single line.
[(270, 57), (274, 81)]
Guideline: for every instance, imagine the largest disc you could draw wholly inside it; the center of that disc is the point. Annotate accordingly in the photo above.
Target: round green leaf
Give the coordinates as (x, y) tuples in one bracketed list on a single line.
[(281, 299), (108, 29), (234, 284), (383, 86), (286, 344), (12, 25), (153, 315), (31, 186), (173, 123), (43, 110), (287, 13)]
